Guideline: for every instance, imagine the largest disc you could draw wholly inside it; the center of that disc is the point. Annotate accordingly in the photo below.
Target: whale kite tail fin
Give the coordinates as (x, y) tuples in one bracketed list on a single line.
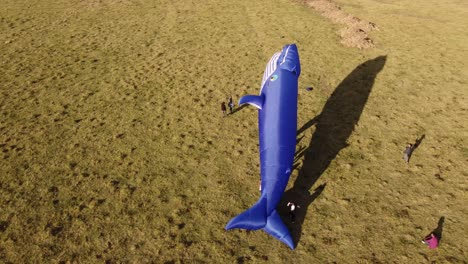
[(256, 218), (253, 219), (276, 228)]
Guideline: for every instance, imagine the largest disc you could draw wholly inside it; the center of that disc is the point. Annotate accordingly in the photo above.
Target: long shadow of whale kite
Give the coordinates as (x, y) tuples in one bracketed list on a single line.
[(334, 125)]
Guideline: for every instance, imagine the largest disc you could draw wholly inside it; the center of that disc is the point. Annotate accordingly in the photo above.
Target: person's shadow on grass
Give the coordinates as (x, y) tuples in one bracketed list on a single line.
[(418, 142), (334, 125), (415, 146), (237, 109), (438, 231)]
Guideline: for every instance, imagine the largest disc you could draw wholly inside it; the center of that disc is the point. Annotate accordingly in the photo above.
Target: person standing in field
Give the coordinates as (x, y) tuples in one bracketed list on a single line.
[(223, 108), (431, 240), (292, 210), (407, 153), (230, 104)]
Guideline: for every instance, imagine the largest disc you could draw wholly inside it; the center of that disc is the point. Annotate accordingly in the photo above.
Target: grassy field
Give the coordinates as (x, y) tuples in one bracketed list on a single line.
[(114, 148)]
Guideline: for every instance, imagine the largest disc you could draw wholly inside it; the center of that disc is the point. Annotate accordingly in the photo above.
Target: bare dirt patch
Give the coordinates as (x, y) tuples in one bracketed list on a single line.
[(355, 32), (96, 4)]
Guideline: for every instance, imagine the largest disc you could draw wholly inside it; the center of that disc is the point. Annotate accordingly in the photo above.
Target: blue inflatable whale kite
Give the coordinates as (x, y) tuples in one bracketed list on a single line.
[(277, 122)]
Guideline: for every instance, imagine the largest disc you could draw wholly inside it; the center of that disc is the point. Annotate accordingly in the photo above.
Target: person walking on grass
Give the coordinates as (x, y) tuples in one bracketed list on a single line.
[(431, 240), (230, 104), (408, 151), (292, 210), (223, 108)]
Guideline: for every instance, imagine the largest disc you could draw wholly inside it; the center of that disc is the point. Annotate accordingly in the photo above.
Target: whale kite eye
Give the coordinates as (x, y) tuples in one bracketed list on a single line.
[(273, 77)]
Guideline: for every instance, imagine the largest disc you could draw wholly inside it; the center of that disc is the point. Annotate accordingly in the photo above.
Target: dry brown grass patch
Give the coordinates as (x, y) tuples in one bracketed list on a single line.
[(355, 32)]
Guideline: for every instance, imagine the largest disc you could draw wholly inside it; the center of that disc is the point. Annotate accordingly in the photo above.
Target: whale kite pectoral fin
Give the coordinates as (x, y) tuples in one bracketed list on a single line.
[(253, 219), (276, 228), (255, 100)]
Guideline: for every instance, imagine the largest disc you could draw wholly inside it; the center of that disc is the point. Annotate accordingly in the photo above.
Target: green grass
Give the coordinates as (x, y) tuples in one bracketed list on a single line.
[(114, 147)]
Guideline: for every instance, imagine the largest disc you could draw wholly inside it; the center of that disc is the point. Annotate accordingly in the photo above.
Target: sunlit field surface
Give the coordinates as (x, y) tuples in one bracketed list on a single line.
[(114, 148)]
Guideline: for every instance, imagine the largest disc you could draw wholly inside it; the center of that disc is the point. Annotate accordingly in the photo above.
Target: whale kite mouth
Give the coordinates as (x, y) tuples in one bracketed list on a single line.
[(270, 69), (285, 60)]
